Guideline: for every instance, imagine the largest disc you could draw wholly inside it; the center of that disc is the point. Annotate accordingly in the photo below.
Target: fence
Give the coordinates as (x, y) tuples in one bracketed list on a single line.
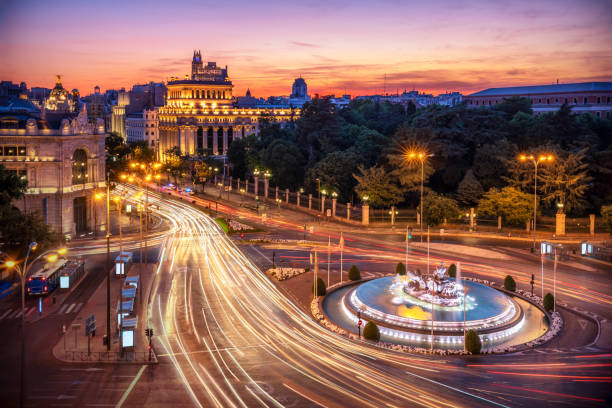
[(111, 356)]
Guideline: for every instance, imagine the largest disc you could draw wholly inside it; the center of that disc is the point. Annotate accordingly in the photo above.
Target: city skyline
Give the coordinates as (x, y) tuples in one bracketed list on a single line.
[(433, 48)]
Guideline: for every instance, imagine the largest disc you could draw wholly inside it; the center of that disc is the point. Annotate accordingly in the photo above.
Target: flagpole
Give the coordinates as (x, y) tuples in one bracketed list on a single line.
[(432, 293), (316, 269), (542, 261), (341, 255), (328, 257), (406, 261)]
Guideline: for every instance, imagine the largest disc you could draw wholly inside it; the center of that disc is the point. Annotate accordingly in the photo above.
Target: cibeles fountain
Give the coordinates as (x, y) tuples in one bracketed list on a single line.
[(405, 308)]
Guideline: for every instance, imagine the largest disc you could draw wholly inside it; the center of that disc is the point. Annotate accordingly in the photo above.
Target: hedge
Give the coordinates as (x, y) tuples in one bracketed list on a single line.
[(400, 269), (509, 283), (354, 274), (320, 287), (371, 332), (472, 342)]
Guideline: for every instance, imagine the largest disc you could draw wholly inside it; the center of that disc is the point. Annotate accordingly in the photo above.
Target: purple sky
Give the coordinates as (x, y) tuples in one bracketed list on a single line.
[(336, 46)]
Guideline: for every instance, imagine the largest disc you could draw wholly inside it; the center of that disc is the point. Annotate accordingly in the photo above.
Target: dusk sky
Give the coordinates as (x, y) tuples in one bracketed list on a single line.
[(336, 46)]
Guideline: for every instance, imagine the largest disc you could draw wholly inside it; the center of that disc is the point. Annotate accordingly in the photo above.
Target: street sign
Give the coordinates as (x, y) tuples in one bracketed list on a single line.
[(90, 325), (359, 323)]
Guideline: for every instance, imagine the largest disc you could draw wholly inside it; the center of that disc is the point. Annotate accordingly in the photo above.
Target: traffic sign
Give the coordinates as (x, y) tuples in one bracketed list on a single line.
[(90, 325), (359, 323)]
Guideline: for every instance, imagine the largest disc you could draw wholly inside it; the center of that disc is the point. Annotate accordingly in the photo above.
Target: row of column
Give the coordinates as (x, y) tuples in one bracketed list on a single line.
[(188, 139)]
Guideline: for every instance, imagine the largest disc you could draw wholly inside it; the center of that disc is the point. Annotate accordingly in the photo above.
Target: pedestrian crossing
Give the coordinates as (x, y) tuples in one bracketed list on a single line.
[(15, 313)]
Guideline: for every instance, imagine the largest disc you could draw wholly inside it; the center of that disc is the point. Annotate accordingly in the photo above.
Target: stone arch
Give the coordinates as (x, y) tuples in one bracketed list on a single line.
[(80, 167)]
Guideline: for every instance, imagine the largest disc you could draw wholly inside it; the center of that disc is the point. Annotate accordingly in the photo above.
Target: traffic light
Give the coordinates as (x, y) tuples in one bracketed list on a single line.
[(147, 333), (409, 232), (151, 332)]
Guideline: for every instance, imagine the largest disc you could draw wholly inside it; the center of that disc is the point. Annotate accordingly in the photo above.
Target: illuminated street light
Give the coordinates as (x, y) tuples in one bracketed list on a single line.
[(421, 156), (540, 159)]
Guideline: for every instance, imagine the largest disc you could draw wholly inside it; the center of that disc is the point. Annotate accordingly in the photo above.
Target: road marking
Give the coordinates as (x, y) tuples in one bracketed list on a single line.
[(458, 390), (70, 308), (62, 308), (29, 312), (130, 387), (6, 313), (78, 307)]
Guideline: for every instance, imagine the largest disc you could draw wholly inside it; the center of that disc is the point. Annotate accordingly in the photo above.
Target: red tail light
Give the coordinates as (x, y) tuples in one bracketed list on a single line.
[(43, 279), (45, 288), (29, 279), (29, 289)]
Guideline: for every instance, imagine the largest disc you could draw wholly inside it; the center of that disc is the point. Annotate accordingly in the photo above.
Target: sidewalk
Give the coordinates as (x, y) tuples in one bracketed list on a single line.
[(73, 345)]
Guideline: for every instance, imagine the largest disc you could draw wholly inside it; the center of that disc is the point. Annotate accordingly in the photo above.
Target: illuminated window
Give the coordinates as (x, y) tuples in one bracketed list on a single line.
[(21, 151), (79, 167)]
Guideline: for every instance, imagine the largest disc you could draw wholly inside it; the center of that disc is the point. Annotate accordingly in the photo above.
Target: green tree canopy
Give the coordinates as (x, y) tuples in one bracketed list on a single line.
[(513, 205), (437, 208), (376, 184), (469, 190)]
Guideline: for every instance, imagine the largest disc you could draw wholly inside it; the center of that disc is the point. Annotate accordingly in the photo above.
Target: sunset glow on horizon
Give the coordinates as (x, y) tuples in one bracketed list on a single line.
[(337, 47)]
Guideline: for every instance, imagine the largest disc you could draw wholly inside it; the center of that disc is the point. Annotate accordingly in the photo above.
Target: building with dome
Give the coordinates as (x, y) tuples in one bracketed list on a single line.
[(60, 151), (299, 93), (201, 115)]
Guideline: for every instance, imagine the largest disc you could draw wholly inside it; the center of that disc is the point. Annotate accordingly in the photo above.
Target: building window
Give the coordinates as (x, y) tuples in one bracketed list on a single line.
[(547, 101), (608, 100), (540, 100), (585, 100), (556, 100), (10, 151), (599, 114), (598, 99), (45, 210), (79, 167), (21, 151), (566, 100), (608, 115)]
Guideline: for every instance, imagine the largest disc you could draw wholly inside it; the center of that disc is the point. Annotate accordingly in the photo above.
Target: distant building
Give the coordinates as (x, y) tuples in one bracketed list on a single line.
[(97, 106), (587, 97), (340, 103), (299, 93), (200, 113), (449, 99), (7, 88), (61, 153), (143, 127)]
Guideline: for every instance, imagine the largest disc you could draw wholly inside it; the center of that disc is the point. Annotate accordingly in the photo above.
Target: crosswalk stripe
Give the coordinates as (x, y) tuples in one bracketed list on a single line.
[(6, 314), (78, 307), (29, 312), (19, 314), (62, 308), (70, 308)]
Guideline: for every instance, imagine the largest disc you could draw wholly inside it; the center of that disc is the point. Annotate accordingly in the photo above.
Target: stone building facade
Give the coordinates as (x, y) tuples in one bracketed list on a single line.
[(200, 113), (62, 156)]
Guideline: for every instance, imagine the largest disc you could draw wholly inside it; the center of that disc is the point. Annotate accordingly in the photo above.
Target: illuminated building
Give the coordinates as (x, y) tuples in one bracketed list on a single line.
[(61, 153), (200, 114), (589, 97)]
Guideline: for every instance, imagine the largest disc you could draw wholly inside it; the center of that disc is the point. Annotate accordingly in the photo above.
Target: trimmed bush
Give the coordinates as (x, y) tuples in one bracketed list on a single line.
[(548, 302), (320, 287), (400, 269), (472, 342), (509, 283), (354, 274), (223, 224), (452, 271), (371, 332)]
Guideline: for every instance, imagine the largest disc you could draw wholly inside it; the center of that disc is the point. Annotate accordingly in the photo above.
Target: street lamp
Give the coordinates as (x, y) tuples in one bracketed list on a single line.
[(536, 161), (421, 156), (22, 273), (97, 197)]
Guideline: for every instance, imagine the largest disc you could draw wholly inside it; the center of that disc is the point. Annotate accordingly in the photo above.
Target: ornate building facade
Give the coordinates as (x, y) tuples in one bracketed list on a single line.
[(61, 153), (200, 113)]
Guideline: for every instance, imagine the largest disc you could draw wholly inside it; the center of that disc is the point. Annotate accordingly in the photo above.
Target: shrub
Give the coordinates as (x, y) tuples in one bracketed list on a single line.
[(509, 283), (223, 224), (354, 274), (452, 271), (472, 342), (606, 215), (548, 302), (320, 287), (400, 269), (371, 332)]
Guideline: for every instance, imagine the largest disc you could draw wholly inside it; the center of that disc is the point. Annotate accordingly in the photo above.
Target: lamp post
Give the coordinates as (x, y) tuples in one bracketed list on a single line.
[(536, 161), (421, 156), (319, 188), (22, 274), (97, 196), (108, 267)]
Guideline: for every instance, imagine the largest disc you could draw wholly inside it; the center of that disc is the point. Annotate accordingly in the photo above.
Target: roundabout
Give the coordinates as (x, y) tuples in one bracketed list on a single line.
[(417, 310)]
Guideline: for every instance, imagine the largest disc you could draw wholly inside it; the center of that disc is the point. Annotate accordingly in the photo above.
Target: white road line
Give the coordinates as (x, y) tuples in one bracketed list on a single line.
[(130, 387), (62, 308), (70, 308), (6, 314), (14, 315), (19, 314), (79, 306), (29, 312)]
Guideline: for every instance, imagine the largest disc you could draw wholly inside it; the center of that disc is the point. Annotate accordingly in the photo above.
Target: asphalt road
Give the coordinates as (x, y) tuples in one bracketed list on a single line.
[(226, 336)]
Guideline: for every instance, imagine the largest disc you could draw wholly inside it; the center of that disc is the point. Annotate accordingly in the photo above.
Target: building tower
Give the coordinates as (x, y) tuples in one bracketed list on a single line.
[(196, 64)]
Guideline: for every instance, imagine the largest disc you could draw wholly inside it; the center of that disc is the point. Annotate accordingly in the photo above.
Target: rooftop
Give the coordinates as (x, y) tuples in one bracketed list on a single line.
[(543, 89)]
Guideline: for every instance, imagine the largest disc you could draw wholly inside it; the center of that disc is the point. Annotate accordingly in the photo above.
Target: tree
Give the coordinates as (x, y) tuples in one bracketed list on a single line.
[(512, 106), (606, 215), (472, 342), (285, 161), (400, 269), (376, 184), (320, 287), (452, 271), (566, 180), (514, 206), (491, 160), (17, 230), (141, 151), (509, 283), (548, 302), (470, 190), (176, 164), (437, 208), (117, 153), (336, 173), (371, 332), (354, 274), (12, 186)]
